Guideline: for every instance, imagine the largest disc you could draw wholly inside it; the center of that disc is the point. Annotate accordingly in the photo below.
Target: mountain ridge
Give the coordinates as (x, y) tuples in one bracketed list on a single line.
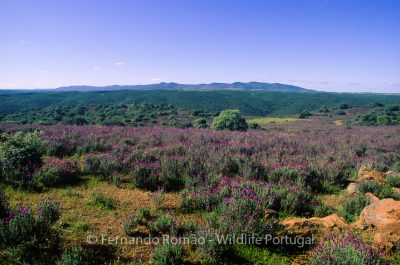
[(242, 86)]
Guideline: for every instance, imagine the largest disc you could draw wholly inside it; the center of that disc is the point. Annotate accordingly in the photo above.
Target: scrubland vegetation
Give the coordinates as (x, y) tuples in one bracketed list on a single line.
[(161, 180), (70, 173)]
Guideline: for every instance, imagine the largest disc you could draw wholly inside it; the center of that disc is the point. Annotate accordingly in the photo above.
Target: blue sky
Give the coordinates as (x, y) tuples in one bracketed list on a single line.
[(335, 45)]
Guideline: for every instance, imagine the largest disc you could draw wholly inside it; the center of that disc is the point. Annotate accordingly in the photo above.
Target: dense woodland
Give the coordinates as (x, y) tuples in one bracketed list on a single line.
[(254, 103)]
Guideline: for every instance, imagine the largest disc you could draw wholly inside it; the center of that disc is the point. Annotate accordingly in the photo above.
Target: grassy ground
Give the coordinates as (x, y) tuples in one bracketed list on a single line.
[(268, 120), (83, 217)]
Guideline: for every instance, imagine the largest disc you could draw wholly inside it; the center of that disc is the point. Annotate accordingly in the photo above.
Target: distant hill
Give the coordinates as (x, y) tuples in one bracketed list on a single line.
[(205, 87)]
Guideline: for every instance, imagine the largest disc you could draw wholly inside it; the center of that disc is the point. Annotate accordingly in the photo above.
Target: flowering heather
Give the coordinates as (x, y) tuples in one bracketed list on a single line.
[(57, 172), (49, 211), (301, 146), (345, 249)]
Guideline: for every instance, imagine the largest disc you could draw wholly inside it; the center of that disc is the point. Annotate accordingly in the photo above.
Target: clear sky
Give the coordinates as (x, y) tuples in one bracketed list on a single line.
[(331, 45)]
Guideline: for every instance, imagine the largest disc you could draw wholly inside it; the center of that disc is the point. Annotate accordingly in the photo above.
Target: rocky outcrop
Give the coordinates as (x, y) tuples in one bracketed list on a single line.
[(314, 225), (371, 197), (382, 217), (392, 174), (367, 174)]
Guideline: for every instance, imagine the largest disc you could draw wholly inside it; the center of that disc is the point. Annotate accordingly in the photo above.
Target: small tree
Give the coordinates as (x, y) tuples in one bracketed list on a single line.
[(230, 119), (304, 114)]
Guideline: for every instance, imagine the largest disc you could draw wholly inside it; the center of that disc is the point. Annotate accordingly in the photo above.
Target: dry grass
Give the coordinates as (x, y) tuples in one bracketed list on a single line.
[(79, 218)]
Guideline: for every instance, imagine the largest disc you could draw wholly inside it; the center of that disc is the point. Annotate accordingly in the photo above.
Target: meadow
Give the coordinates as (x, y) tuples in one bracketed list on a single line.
[(153, 181)]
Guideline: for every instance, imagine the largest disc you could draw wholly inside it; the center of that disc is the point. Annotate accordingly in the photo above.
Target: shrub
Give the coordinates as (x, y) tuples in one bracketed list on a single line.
[(211, 251), (167, 254), (230, 119), (323, 210), (304, 114), (163, 224), (388, 192), (21, 226), (101, 165), (323, 109), (251, 168), (369, 186), (242, 213), (343, 106), (393, 181), (48, 212), (352, 207), (283, 174), (72, 256), (172, 174), (200, 123), (57, 172), (157, 199), (145, 176), (100, 200), (140, 217), (340, 112), (229, 167), (20, 157), (345, 249)]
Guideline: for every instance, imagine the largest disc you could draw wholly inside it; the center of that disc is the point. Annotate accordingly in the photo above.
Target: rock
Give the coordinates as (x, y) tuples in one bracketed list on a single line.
[(352, 188), (366, 174), (307, 226), (396, 190), (371, 197), (392, 174), (383, 218)]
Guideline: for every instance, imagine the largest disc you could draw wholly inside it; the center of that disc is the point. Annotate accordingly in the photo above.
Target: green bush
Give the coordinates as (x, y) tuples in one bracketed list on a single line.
[(393, 181), (172, 175), (167, 254), (56, 172), (323, 210), (100, 200), (163, 224), (200, 123), (72, 257), (304, 114), (230, 119), (140, 217), (242, 213), (145, 177), (369, 186), (388, 192), (345, 249), (48, 212), (21, 227), (353, 206), (20, 157)]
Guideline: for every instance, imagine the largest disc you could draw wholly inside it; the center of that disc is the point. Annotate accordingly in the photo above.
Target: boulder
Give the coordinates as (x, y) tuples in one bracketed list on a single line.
[(383, 218), (308, 226), (367, 174), (371, 197), (352, 188)]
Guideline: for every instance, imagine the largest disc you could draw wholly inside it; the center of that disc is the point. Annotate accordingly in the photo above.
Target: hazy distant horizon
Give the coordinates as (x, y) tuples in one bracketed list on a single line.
[(333, 46)]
